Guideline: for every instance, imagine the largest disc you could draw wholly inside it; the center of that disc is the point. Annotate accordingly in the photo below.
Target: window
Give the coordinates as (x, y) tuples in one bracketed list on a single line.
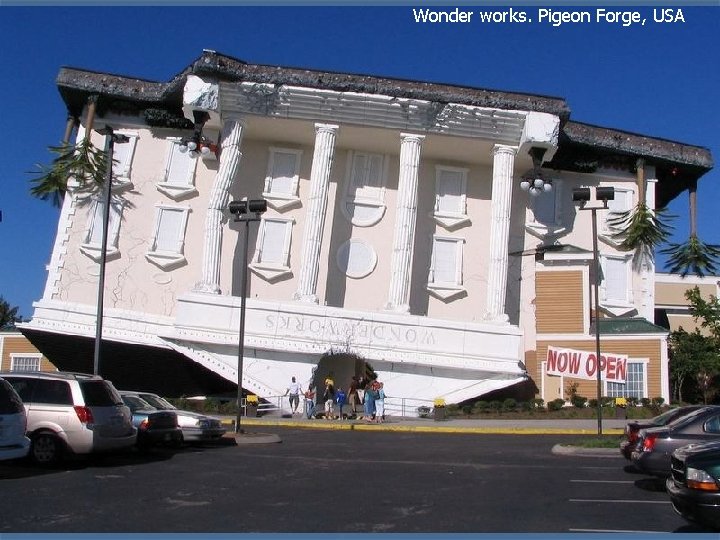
[(168, 240), (450, 196), (282, 179), (445, 277), (545, 217), (615, 285), (92, 246), (179, 178), (25, 362), (272, 254), (122, 159), (365, 198), (635, 383), (622, 202)]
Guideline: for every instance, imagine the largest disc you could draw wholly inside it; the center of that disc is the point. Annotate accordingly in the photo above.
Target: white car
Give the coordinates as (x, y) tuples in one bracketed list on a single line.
[(71, 413), (13, 423)]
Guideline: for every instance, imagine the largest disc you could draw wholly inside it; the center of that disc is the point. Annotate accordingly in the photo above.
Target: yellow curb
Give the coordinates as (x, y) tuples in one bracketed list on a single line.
[(337, 425)]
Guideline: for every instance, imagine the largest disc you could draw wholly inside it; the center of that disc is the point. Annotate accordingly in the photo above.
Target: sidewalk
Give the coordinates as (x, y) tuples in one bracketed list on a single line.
[(610, 426)]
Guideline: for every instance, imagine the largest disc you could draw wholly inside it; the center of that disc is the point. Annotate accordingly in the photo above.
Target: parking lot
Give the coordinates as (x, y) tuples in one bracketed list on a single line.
[(341, 481)]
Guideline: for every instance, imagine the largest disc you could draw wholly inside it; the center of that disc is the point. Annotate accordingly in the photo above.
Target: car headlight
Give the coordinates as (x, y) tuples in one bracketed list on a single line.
[(699, 479)]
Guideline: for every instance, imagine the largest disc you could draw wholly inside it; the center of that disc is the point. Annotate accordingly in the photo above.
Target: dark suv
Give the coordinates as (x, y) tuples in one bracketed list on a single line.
[(72, 412)]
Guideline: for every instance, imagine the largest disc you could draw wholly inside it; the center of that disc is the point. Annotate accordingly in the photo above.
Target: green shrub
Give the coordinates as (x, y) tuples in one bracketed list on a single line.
[(510, 404), (555, 404), (495, 405), (480, 407), (645, 402), (578, 401), (538, 403)]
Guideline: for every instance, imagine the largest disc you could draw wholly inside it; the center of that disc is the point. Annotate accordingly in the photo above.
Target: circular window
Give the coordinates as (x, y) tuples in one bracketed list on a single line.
[(356, 258)]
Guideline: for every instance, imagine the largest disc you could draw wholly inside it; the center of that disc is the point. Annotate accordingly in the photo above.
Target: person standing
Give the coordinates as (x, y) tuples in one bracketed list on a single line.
[(370, 397), (310, 401), (329, 398), (294, 391), (380, 404), (353, 396)]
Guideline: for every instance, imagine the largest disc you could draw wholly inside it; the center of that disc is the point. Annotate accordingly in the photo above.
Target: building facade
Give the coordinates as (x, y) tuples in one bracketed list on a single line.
[(18, 354), (397, 237)]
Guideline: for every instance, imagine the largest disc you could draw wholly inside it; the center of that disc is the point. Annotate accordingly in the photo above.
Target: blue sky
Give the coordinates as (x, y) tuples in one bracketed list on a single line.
[(659, 79)]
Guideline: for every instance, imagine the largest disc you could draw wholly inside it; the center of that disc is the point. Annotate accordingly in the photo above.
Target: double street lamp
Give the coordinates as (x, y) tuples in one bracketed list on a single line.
[(582, 196), (244, 211)]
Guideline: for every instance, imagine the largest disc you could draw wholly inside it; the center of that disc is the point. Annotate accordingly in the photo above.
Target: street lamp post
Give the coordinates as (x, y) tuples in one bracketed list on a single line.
[(582, 196), (110, 139), (244, 211)]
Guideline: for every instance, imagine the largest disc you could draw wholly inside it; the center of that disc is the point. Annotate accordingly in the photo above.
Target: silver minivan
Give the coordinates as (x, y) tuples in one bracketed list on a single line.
[(71, 412), (13, 422)]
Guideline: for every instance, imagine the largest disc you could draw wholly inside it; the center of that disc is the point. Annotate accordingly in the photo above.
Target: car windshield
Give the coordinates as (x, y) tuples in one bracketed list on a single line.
[(136, 403), (158, 402), (100, 394)]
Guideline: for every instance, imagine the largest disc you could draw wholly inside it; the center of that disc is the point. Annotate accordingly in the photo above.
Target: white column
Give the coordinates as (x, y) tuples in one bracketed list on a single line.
[(229, 161), (502, 184), (323, 157), (402, 254), (647, 264)]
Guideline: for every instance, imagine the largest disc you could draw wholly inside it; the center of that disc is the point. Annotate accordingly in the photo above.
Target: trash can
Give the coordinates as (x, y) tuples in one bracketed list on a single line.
[(620, 413), (439, 414), (251, 406)]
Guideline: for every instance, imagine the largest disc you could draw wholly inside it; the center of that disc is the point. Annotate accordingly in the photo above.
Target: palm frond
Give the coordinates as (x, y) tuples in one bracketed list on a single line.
[(85, 163), (641, 228), (693, 256)]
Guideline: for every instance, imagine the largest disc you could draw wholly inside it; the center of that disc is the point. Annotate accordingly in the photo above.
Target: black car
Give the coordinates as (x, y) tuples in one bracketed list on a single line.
[(694, 486), (632, 429), (154, 427), (655, 445)]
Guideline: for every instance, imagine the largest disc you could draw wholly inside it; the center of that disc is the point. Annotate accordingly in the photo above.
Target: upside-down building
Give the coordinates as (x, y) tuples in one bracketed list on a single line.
[(400, 235)]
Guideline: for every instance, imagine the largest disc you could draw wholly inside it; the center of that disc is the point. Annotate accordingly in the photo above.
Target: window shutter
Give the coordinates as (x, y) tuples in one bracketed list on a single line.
[(283, 172), (169, 234), (273, 242), (450, 192), (179, 167)]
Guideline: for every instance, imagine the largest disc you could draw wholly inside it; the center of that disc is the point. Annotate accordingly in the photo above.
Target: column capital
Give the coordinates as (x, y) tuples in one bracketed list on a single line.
[(412, 137), (504, 149), (328, 128)]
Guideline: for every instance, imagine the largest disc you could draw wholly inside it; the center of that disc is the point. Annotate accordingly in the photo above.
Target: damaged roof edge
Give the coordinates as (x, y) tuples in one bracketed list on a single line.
[(640, 145), (74, 81), (75, 85)]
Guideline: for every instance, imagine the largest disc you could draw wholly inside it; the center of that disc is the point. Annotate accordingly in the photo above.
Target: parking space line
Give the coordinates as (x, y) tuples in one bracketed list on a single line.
[(622, 501), (604, 481), (615, 531)]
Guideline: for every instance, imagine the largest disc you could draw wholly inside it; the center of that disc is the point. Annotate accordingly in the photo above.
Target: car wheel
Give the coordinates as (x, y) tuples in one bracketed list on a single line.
[(46, 449)]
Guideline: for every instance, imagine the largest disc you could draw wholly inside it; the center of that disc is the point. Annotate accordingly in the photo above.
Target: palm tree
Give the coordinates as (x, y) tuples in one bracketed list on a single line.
[(693, 255), (83, 161), (643, 230)]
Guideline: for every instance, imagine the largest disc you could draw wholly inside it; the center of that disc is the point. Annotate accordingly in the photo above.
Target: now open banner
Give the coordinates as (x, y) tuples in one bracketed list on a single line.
[(584, 365)]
